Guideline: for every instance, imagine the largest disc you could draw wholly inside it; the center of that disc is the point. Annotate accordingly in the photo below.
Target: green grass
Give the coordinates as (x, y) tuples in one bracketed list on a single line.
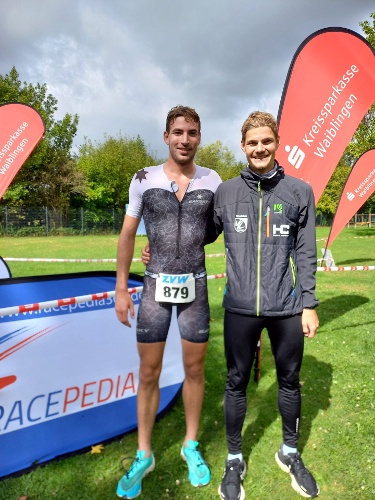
[(337, 428)]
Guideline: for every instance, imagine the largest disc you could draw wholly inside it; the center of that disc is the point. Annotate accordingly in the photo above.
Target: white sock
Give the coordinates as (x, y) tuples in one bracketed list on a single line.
[(287, 449), (233, 457)]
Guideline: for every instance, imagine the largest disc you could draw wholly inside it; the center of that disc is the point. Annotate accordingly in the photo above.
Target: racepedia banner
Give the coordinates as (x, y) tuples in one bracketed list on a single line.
[(21, 128), (359, 186), (329, 88), (69, 375)]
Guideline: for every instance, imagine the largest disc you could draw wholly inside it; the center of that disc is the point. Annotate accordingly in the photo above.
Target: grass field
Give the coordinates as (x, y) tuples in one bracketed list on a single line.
[(337, 435)]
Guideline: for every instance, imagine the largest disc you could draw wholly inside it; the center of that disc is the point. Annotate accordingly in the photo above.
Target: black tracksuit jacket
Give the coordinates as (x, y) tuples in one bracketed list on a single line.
[(270, 240)]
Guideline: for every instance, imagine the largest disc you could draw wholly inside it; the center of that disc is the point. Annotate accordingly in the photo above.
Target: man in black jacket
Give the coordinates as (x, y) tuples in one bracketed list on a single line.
[(268, 219)]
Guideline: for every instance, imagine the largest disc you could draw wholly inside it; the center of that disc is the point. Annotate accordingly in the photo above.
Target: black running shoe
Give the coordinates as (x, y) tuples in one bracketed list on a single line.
[(231, 487), (303, 481)]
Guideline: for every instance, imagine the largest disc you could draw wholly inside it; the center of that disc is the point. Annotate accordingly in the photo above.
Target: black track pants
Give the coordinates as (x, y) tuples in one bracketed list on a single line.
[(241, 335)]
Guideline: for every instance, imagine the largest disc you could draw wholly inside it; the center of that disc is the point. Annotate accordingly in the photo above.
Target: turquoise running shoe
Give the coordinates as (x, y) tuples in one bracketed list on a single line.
[(130, 485), (199, 472)]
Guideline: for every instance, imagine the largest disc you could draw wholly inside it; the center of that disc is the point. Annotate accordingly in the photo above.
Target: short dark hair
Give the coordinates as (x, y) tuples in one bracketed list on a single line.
[(189, 114)]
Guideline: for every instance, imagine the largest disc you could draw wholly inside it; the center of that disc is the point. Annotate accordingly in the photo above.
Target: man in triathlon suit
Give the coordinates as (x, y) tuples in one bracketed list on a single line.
[(176, 202), (268, 219)]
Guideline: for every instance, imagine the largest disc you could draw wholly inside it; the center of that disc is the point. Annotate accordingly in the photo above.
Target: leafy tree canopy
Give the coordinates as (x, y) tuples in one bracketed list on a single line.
[(35, 181), (109, 167), (219, 158), (364, 138), (329, 200), (362, 141)]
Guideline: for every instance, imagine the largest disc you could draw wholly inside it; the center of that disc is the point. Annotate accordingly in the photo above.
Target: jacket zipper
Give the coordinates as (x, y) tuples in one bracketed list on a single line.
[(294, 273), (259, 247)]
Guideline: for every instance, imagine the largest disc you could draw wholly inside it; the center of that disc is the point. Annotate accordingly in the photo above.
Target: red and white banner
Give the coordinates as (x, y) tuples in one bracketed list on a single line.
[(359, 186), (21, 128), (329, 88)]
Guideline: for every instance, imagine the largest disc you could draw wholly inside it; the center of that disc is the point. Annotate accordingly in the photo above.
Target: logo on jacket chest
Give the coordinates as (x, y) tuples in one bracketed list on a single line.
[(282, 230), (240, 223)]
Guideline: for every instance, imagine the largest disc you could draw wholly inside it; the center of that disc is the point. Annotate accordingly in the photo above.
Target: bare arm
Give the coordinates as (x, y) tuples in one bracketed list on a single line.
[(125, 251)]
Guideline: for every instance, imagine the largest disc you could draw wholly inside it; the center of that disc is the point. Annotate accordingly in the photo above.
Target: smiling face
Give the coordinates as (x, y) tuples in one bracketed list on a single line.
[(183, 140), (259, 146)]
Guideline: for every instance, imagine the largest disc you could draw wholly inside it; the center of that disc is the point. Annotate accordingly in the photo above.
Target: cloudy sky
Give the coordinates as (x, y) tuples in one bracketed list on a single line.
[(122, 64)]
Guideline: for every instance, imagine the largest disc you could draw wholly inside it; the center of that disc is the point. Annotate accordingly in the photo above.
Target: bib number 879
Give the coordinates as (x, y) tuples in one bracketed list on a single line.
[(176, 292), (175, 288)]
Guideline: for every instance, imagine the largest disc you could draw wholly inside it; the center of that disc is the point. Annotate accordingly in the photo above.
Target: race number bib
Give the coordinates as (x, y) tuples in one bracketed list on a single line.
[(176, 288)]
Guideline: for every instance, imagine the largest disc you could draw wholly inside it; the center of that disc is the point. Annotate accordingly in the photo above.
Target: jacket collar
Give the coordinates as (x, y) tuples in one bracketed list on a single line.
[(268, 180)]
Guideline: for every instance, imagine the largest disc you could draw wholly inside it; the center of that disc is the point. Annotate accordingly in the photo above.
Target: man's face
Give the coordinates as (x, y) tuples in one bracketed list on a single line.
[(260, 146), (183, 140)]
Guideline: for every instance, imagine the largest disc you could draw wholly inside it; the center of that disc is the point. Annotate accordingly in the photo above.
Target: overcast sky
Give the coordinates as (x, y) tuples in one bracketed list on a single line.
[(122, 64)]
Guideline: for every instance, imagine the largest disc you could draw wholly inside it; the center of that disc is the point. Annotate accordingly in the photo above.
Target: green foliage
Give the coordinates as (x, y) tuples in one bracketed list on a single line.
[(219, 158), (109, 167), (12, 90), (362, 141), (364, 137), (43, 221), (337, 393), (100, 176), (328, 202), (49, 176), (369, 30)]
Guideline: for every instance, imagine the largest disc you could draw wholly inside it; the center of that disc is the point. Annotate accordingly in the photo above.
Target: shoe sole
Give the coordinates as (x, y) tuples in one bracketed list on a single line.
[(147, 471), (242, 496), (197, 485), (295, 485)]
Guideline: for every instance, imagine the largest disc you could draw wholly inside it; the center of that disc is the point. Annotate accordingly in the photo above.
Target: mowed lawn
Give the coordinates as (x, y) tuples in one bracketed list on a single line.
[(337, 434)]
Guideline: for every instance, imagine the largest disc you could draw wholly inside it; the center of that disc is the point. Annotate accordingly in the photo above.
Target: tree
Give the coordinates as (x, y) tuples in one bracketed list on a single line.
[(362, 141), (364, 137), (41, 173), (219, 158), (109, 166), (369, 30), (329, 200)]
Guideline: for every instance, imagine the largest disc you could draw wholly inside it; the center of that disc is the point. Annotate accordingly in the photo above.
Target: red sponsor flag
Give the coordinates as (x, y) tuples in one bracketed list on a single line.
[(359, 186), (329, 88), (21, 128)]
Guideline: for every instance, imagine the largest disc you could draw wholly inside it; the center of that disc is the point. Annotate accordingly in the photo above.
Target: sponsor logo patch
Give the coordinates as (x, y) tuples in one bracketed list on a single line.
[(240, 223), (282, 230), (277, 208)]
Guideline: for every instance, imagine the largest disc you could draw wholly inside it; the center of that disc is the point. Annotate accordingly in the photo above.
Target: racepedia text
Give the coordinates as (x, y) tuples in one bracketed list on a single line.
[(40, 407)]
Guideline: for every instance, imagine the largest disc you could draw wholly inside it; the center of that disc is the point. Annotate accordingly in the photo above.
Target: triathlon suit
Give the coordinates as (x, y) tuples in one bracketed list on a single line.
[(176, 231)]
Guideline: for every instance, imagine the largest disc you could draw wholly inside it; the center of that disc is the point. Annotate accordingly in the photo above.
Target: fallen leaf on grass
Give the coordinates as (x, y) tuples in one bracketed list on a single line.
[(97, 449)]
